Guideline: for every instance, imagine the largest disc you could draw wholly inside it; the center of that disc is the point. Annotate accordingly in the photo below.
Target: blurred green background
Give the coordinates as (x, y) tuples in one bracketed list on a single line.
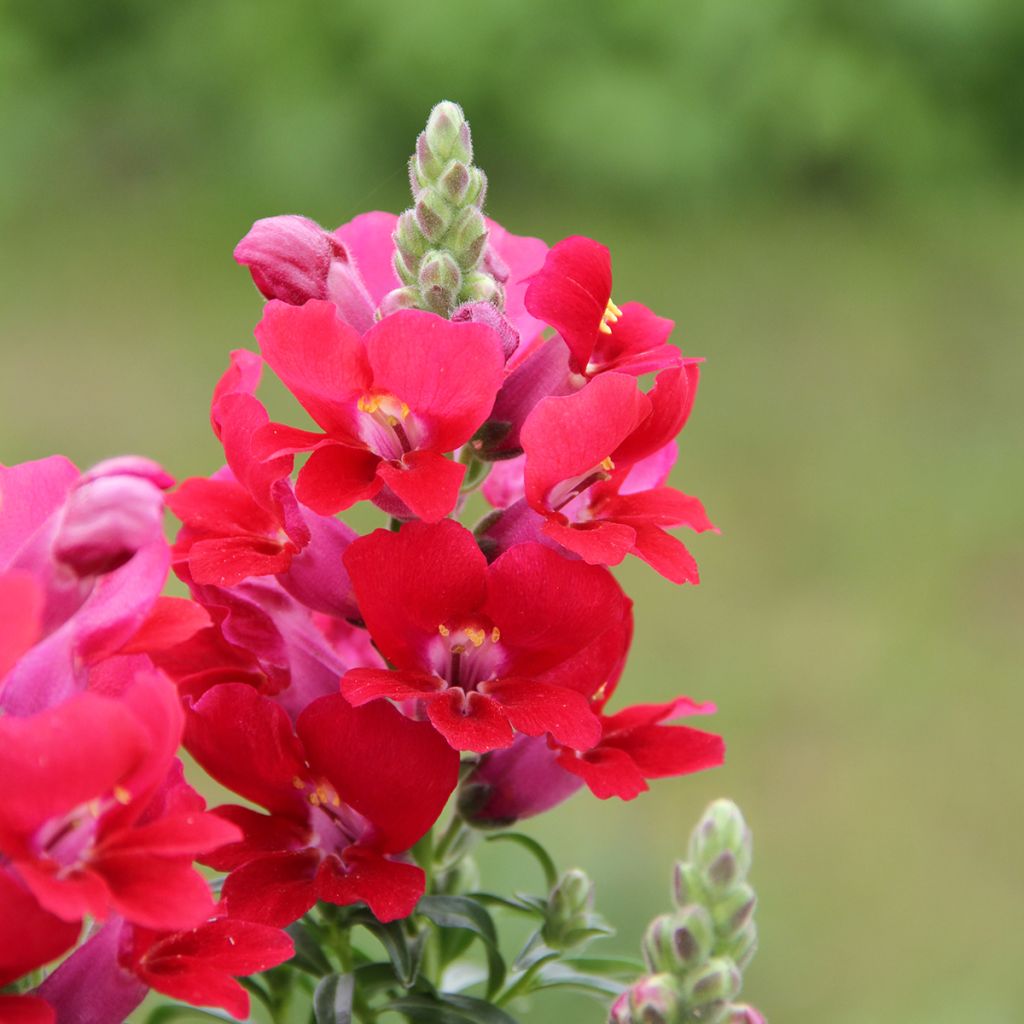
[(827, 198)]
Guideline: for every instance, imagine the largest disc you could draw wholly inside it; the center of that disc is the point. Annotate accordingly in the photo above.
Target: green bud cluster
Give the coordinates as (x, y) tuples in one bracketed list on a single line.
[(440, 242), (696, 954), (569, 920)]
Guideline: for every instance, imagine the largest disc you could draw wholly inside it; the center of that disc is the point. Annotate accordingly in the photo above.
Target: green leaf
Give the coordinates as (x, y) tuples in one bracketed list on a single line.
[(538, 852), (332, 1000), (309, 954), (521, 905), (449, 1008), (609, 966), (466, 914), (561, 975), (405, 958)]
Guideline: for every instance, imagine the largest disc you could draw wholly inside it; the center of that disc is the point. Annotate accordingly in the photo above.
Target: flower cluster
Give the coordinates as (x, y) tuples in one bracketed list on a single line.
[(337, 683)]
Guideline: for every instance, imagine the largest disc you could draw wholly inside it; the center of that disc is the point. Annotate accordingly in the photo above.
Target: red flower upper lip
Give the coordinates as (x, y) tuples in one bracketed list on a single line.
[(475, 640), (390, 403)]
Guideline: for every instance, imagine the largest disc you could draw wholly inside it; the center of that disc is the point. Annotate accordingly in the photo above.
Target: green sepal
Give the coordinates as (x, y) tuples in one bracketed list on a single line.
[(332, 1000)]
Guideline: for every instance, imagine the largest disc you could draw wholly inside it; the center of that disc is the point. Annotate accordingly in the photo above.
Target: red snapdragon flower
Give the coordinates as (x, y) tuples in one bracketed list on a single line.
[(580, 452), (349, 791), (573, 293), (474, 641), (94, 814), (391, 404)]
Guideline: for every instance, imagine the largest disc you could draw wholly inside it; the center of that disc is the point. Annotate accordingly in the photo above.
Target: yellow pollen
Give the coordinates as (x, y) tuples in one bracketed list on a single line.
[(121, 795), (392, 408), (459, 649), (495, 635), (314, 799), (443, 630), (610, 315), (297, 782), (368, 403), (476, 636), (607, 465)]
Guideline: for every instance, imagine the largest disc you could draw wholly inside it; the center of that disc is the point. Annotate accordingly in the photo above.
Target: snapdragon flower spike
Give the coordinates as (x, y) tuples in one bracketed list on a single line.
[(391, 404), (573, 293), (348, 790), (94, 815), (474, 642), (580, 450), (245, 521)]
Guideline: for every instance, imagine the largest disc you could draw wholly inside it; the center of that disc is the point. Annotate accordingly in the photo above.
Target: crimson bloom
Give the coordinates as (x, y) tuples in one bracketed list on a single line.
[(94, 814), (349, 790), (475, 642), (580, 450), (573, 293), (391, 404)]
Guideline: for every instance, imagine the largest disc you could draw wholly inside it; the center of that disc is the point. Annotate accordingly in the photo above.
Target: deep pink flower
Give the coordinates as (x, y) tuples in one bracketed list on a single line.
[(573, 293), (475, 642), (580, 450), (293, 259), (390, 404), (94, 815), (349, 791), (245, 521)]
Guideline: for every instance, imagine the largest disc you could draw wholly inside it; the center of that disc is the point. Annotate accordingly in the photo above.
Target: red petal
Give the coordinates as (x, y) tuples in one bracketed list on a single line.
[(198, 985), (21, 609), (173, 621), (394, 771), (599, 542), (47, 770), (156, 892), (319, 358), (538, 708), (219, 506), (361, 685), (470, 721), (335, 477), (671, 403), (426, 482), (660, 751), (262, 834), (661, 506), (391, 889), (637, 344), (227, 944), (273, 890), (447, 373), (571, 292), (408, 583), (226, 561), (608, 772), (29, 935), (371, 247), (246, 742), (568, 436), (665, 554), (548, 607), (26, 1010)]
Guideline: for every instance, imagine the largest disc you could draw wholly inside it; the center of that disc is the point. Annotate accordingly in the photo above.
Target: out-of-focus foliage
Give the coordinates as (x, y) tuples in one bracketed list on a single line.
[(702, 97)]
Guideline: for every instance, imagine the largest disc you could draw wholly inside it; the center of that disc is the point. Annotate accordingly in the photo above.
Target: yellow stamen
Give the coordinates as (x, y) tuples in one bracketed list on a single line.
[(495, 635), (610, 315), (122, 795), (297, 782), (476, 636), (444, 630), (607, 465)]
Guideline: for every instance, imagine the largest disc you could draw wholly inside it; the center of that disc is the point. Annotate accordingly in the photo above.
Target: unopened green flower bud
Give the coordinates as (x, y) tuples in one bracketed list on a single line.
[(467, 237), (674, 942), (733, 912), (569, 910), (722, 829), (715, 983), (433, 215), (655, 1000), (447, 133), (400, 298), (480, 287), (454, 182), (741, 947), (687, 886), (477, 191)]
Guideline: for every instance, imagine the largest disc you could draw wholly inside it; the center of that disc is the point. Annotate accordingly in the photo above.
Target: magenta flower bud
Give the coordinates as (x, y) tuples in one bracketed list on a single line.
[(655, 1000), (485, 313), (515, 782), (741, 1013), (115, 509), (293, 259)]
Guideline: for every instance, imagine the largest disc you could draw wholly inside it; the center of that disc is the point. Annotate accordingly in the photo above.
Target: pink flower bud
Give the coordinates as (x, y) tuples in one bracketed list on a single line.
[(115, 509), (293, 259), (485, 313)]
